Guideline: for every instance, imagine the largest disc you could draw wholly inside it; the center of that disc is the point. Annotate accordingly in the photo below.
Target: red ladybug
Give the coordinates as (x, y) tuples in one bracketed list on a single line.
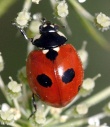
[(54, 71)]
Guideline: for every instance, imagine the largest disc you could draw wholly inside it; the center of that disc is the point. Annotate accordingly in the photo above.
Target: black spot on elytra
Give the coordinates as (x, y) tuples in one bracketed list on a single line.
[(51, 54), (68, 75), (44, 80)]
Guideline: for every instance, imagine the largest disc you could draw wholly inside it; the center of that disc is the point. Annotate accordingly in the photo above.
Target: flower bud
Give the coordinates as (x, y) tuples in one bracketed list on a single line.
[(83, 54), (81, 1), (102, 21), (39, 115), (14, 89), (62, 9), (22, 75), (36, 1), (34, 26), (6, 117), (107, 109), (1, 63), (23, 18), (55, 112), (81, 109), (88, 85)]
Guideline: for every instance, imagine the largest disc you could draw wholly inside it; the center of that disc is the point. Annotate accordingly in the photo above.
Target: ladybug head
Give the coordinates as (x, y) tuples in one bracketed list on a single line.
[(50, 36), (47, 27)]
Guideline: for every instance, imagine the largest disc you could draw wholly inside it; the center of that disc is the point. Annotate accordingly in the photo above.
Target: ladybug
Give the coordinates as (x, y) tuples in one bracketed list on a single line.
[(54, 71)]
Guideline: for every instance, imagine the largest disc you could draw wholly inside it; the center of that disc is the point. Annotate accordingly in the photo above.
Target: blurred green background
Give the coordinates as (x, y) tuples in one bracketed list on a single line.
[(13, 46)]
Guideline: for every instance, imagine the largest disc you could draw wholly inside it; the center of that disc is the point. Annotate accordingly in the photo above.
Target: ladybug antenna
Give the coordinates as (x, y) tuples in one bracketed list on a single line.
[(58, 26), (22, 32), (43, 20)]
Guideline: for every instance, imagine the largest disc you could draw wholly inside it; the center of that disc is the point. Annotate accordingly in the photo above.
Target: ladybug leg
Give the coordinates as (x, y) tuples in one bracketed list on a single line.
[(23, 32), (34, 105), (34, 102)]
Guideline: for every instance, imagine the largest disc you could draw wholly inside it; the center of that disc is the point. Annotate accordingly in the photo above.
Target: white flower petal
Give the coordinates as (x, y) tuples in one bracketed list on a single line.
[(62, 9)]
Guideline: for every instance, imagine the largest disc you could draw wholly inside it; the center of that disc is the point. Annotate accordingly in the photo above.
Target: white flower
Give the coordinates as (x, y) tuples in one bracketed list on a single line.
[(14, 89), (83, 54), (81, 109), (107, 109), (81, 1), (6, 117), (102, 21), (88, 86), (63, 118), (16, 112), (62, 9), (5, 107), (55, 112), (36, 1), (22, 75), (1, 63), (109, 105), (39, 115), (93, 122), (104, 125), (34, 26), (89, 83), (23, 18)]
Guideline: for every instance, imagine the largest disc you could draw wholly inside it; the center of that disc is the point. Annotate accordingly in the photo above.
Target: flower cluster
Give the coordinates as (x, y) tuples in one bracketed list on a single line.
[(62, 9), (102, 21), (9, 115), (14, 89), (95, 122), (23, 18)]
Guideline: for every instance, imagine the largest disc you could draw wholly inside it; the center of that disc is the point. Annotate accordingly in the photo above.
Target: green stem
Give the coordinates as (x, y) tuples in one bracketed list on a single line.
[(82, 11), (27, 5), (3, 89), (2, 86), (98, 116), (15, 125), (100, 96), (86, 18), (16, 104), (71, 123), (62, 20)]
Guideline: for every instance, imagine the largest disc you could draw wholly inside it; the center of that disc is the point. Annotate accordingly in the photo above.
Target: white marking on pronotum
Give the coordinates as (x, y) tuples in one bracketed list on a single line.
[(52, 31), (45, 51), (56, 49), (52, 26), (45, 25), (36, 37), (61, 34)]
